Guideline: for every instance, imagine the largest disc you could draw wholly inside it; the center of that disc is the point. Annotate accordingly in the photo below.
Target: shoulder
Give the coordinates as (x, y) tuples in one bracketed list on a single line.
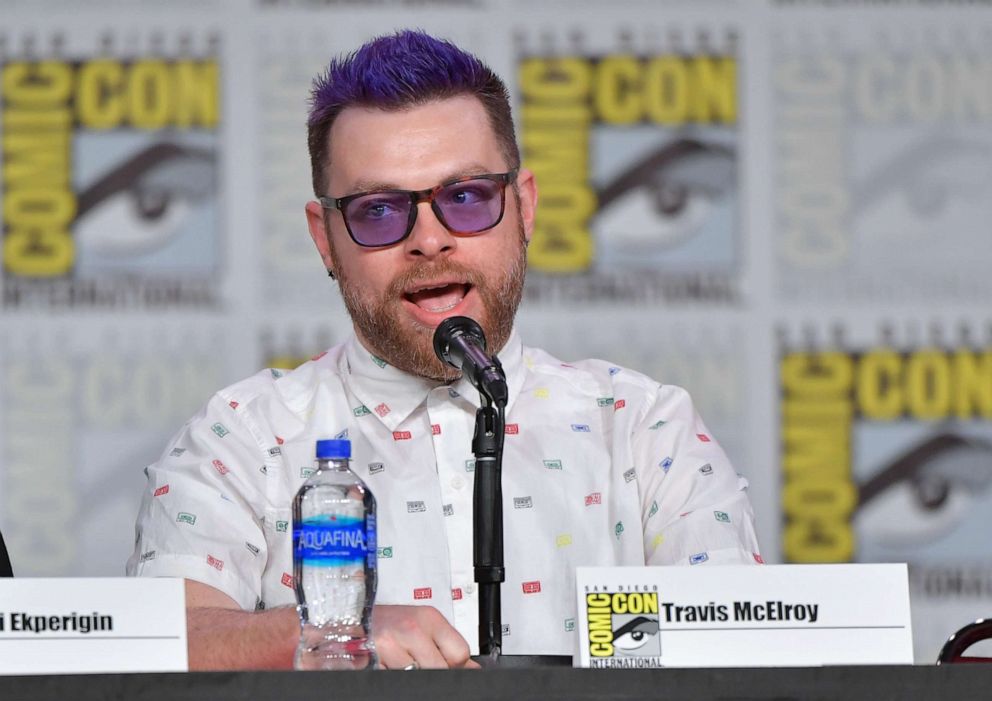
[(602, 378), (289, 387)]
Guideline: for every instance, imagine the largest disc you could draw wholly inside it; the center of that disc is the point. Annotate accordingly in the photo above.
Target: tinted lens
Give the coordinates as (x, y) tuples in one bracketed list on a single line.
[(378, 219), (471, 205)]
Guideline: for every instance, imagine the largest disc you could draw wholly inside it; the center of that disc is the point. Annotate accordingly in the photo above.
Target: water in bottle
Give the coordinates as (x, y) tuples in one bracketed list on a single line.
[(334, 563)]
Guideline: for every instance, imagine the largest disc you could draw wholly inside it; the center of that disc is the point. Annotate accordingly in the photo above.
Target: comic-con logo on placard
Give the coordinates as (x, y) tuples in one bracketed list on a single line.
[(110, 179), (636, 158), (623, 628)]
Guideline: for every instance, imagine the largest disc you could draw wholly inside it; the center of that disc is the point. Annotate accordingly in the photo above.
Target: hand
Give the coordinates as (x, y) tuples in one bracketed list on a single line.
[(405, 635)]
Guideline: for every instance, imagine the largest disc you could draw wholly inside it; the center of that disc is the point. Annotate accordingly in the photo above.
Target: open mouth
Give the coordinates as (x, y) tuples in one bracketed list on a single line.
[(438, 297)]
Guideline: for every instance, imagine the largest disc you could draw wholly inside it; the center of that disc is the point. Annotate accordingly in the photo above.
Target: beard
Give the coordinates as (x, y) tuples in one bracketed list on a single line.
[(408, 345)]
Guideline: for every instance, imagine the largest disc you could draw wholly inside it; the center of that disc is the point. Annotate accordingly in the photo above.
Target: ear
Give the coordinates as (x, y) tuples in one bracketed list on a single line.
[(319, 233), (527, 187)]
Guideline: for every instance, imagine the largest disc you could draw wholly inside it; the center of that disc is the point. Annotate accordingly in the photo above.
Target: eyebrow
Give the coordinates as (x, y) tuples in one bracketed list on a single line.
[(367, 185)]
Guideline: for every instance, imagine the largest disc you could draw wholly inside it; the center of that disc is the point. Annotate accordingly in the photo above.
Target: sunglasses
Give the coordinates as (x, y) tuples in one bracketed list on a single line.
[(464, 206)]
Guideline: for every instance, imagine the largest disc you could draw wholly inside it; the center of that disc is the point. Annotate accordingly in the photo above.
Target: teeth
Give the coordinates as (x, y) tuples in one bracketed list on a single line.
[(435, 287), (444, 309), (440, 298)]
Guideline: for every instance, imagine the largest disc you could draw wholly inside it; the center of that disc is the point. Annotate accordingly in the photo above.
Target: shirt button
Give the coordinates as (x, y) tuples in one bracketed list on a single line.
[(470, 589), (457, 482)]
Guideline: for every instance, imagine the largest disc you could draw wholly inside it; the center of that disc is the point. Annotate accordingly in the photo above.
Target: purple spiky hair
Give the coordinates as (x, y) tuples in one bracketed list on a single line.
[(400, 70), (395, 70)]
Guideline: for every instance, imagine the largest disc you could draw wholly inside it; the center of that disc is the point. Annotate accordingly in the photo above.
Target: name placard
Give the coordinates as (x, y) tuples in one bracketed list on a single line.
[(743, 616), (74, 626)]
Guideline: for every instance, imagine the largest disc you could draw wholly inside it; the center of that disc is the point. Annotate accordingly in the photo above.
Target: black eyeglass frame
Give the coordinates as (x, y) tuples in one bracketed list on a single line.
[(418, 196)]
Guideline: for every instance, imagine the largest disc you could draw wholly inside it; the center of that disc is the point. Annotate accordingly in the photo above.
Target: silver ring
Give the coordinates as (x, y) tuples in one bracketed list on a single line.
[(412, 665)]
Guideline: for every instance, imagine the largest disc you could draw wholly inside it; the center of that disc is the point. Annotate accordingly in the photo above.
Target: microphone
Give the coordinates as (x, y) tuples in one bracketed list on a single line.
[(460, 342)]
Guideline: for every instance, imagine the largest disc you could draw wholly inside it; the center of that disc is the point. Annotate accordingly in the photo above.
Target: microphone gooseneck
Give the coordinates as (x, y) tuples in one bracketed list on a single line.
[(461, 343)]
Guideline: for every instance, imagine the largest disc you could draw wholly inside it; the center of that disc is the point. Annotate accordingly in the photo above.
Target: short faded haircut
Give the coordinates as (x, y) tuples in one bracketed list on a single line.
[(399, 71)]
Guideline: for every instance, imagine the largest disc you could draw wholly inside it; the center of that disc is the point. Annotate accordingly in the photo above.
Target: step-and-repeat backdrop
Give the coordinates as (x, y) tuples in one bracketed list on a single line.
[(783, 206)]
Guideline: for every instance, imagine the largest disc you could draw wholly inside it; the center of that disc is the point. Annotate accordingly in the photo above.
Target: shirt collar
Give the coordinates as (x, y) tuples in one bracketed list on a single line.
[(392, 394)]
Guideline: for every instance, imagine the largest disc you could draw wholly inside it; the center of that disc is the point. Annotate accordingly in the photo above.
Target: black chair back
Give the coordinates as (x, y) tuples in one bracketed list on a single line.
[(955, 647), (5, 568)]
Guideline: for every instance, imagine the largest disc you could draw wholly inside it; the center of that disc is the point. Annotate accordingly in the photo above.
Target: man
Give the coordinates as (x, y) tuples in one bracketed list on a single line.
[(423, 213)]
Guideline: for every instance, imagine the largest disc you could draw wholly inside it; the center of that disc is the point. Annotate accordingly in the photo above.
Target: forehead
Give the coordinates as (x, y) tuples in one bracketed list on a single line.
[(411, 148)]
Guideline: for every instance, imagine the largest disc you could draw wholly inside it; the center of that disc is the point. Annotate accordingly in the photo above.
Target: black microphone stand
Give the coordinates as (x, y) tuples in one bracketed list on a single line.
[(487, 552), (460, 342)]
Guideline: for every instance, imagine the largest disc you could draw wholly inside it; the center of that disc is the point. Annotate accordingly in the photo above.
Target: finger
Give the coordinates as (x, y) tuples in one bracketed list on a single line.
[(426, 654), (452, 645), (409, 639), (430, 640), (445, 639), (392, 656), (399, 663)]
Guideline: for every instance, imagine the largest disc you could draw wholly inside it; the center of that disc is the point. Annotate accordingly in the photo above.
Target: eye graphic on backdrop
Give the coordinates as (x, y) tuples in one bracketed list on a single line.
[(924, 494), (634, 637), (663, 199), (920, 210), (928, 177), (141, 204)]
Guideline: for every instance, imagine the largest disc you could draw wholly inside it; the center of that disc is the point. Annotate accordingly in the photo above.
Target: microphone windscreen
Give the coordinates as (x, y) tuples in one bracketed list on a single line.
[(450, 329)]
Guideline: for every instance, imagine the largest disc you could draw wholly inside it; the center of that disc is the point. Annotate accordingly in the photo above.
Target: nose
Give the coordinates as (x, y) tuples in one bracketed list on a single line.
[(429, 238)]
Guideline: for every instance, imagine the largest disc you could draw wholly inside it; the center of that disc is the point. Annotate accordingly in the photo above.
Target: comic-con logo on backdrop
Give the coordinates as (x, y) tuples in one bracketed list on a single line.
[(635, 155), (110, 179), (882, 157), (887, 452)]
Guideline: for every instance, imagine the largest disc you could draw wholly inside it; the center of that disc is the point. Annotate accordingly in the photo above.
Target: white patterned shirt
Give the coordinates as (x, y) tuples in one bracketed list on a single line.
[(601, 466)]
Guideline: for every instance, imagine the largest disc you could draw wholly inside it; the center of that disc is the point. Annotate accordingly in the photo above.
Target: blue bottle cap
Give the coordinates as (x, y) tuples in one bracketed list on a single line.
[(333, 448)]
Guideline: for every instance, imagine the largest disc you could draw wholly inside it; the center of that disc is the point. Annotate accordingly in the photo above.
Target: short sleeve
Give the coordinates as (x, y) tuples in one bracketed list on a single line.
[(694, 505), (200, 515)]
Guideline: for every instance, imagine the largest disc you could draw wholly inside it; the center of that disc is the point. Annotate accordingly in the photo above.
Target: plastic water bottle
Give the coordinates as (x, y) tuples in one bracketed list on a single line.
[(334, 563)]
